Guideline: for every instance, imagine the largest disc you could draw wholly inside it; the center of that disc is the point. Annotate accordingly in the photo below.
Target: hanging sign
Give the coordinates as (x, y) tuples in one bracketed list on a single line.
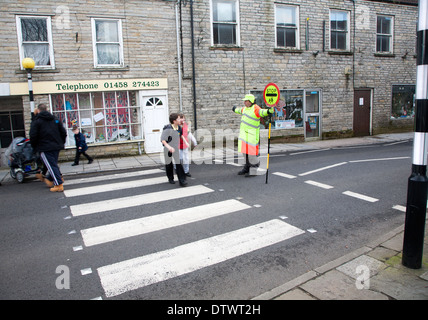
[(271, 95)]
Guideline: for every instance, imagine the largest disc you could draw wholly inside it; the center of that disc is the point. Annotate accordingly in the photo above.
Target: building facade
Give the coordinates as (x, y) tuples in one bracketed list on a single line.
[(118, 68)]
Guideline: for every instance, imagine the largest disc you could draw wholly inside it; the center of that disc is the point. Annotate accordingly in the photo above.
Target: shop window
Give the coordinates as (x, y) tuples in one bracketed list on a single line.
[(102, 116), (225, 22), (403, 101), (290, 113), (287, 27), (35, 40), (11, 127), (339, 30), (107, 42), (384, 34)]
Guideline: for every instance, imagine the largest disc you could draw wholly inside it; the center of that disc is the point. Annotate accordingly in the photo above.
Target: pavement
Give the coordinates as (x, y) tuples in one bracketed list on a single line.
[(372, 272)]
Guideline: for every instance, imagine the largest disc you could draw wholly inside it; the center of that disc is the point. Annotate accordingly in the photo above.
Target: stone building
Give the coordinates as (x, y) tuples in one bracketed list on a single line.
[(118, 68)]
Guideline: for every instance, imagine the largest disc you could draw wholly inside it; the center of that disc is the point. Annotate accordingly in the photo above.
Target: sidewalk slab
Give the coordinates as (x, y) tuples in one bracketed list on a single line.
[(335, 285)]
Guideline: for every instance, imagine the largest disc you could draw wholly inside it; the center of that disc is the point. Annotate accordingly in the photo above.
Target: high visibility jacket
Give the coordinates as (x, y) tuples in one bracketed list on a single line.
[(249, 134)]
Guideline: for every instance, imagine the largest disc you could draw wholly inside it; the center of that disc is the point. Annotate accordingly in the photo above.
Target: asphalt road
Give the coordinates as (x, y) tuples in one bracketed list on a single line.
[(326, 203)]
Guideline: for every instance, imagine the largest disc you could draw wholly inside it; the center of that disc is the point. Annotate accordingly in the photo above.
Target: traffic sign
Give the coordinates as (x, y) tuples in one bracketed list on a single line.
[(271, 94)]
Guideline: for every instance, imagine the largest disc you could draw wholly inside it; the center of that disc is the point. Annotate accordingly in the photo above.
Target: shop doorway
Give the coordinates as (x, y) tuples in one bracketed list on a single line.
[(362, 112), (312, 114), (154, 106)]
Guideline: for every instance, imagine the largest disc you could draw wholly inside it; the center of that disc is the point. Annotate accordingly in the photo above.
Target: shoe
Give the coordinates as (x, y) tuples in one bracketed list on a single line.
[(90, 161), (49, 183), (188, 174), (242, 172), (183, 183), (74, 164), (171, 181), (40, 177), (59, 188)]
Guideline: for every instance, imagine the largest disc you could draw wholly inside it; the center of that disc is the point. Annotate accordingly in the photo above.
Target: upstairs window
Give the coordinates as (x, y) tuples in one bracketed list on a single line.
[(339, 30), (107, 42), (384, 34), (287, 26), (225, 26), (35, 40)]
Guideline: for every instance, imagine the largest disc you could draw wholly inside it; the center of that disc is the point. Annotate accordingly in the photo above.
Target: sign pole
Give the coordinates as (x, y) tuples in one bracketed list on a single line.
[(271, 97), (414, 227)]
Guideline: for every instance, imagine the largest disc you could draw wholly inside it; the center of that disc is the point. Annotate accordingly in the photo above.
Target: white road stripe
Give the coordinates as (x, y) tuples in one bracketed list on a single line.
[(318, 184), (114, 186), (399, 208), (121, 230), (321, 169), (288, 176), (112, 176), (380, 159), (360, 196), (146, 270), (133, 201)]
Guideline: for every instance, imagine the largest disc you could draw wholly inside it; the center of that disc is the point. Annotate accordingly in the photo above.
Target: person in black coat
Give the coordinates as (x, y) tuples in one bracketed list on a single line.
[(81, 146), (47, 136)]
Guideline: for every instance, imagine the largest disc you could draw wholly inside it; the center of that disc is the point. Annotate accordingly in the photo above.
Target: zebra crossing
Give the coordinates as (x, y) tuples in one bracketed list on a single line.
[(141, 271)]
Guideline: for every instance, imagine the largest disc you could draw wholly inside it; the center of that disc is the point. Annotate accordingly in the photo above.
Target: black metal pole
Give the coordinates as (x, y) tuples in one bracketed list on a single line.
[(414, 228)]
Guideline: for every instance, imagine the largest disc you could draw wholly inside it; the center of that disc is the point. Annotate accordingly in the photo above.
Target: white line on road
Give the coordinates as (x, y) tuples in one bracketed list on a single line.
[(112, 176), (318, 184), (399, 208), (133, 201), (156, 267), (360, 196), (114, 186), (130, 228), (321, 169), (288, 176), (381, 159)]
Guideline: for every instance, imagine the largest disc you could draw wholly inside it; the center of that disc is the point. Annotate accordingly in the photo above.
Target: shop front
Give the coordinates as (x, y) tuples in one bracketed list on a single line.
[(299, 112), (108, 112)]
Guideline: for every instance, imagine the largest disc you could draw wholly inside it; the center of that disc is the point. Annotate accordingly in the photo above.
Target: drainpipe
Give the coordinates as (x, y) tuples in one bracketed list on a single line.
[(178, 54), (193, 66)]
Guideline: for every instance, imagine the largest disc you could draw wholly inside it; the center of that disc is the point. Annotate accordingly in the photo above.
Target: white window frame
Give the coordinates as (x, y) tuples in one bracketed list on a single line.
[(348, 34), (391, 35), (120, 43), (237, 24), (49, 42), (297, 30)]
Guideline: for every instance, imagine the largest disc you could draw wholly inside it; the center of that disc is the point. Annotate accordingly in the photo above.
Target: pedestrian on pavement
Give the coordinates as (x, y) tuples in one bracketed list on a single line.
[(47, 136), (185, 144), (170, 138), (249, 134), (81, 146)]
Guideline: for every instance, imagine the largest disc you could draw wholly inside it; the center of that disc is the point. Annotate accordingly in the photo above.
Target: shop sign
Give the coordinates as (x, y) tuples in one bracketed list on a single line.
[(55, 87)]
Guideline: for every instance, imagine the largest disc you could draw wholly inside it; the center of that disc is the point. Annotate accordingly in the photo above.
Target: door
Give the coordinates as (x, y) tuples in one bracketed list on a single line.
[(312, 114), (362, 112), (154, 105)]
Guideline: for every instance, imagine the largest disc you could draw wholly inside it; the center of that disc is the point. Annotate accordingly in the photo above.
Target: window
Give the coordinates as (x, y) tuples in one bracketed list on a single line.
[(287, 27), (107, 42), (225, 26), (339, 30), (102, 116), (11, 127), (403, 101), (35, 40), (384, 34)]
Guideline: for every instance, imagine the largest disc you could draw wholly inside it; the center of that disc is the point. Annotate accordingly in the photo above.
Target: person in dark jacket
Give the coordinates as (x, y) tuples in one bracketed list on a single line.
[(47, 136), (81, 146), (170, 138)]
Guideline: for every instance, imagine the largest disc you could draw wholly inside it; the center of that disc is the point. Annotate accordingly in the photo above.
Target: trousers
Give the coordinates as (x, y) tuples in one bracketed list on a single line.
[(50, 159)]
